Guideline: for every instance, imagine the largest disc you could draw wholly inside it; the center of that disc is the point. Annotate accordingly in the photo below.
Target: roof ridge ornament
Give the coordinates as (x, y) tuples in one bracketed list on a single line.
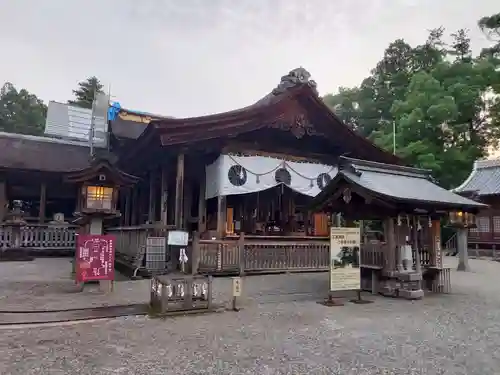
[(295, 77)]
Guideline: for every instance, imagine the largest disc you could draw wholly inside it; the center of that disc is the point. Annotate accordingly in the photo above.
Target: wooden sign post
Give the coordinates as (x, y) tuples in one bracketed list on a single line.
[(95, 258), (345, 272), (236, 291)]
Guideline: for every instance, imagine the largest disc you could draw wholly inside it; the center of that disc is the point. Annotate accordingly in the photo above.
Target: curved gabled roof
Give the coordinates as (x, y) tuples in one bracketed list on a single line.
[(396, 184), (295, 93), (483, 180)]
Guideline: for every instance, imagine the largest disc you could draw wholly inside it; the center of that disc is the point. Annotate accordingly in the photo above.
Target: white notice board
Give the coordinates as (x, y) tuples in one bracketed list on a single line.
[(178, 238), (344, 276)]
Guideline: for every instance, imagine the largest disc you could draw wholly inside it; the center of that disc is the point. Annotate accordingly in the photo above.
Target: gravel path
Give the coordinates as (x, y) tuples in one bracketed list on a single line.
[(453, 334), (45, 284)]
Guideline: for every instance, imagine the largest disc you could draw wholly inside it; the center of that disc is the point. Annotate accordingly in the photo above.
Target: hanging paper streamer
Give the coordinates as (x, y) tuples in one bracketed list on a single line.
[(233, 175)]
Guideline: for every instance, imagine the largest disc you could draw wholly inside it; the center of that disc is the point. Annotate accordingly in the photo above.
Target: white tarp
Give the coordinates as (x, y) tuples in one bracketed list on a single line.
[(231, 175)]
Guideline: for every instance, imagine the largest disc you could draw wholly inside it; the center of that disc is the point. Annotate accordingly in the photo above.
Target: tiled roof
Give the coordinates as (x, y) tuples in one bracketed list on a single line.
[(42, 153), (484, 178), (397, 183)]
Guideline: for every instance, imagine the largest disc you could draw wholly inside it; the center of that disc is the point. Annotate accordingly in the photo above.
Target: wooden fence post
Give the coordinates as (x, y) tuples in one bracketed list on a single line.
[(241, 253), (195, 253)]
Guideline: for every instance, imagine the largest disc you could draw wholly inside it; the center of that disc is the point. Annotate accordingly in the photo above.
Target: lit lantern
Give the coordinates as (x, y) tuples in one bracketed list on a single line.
[(462, 219), (98, 198), (99, 186)]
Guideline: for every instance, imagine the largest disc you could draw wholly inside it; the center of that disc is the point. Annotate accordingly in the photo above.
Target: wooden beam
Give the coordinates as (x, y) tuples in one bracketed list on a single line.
[(188, 201), (134, 217), (128, 204), (152, 198), (164, 195), (221, 216), (179, 193), (3, 200), (389, 233), (202, 206), (43, 203)]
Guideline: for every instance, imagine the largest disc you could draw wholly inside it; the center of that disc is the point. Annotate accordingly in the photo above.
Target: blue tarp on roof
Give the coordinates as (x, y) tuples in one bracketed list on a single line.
[(113, 110)]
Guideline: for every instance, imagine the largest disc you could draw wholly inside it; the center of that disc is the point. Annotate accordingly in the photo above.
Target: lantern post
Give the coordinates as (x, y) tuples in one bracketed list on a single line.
[(98, 186), (462, 221)]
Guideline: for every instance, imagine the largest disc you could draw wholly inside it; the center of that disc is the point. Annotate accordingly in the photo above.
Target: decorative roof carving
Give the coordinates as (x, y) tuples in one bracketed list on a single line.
[(295, 77)]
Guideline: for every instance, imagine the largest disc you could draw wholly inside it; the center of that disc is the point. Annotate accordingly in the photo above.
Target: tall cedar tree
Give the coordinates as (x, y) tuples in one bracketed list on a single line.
[(85, 93)]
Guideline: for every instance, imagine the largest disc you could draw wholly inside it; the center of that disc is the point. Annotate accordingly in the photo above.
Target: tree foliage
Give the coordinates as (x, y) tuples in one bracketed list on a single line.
[(21, 112), (442, 101), (85, 93)]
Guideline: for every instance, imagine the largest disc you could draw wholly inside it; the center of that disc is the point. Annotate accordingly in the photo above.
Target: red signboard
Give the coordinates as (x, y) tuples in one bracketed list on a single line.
[(95, 257)]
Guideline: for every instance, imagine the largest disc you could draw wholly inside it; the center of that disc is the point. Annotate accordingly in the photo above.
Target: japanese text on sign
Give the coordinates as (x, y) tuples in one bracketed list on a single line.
[(95, 257), (343, 276), (236, 287), (345, 236)]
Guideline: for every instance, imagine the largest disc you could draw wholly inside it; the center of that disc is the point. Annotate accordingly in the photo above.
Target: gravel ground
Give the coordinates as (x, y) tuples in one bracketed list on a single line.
[(451, 334), (45, 284)]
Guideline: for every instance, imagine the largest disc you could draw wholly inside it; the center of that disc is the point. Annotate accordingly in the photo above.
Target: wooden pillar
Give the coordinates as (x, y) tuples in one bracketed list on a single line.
[(135, 206), (164, 196), (391, 243), (436, 256), (221, 216), (3, 200), (179, 193), (415, 245), (463, 253), (43, 203), (128, 203), (195, 254), (188, 200), (202, 207), (152, 198)]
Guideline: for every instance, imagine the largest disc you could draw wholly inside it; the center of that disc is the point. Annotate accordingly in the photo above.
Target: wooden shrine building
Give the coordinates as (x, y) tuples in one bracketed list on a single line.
[(242, 180), (410, 206), (483, 185)]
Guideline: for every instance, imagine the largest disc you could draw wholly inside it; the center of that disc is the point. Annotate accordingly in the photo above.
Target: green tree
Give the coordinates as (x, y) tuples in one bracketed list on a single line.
[(440, 98), (21, 112), (491, 27), (85, 93), (369, 105)]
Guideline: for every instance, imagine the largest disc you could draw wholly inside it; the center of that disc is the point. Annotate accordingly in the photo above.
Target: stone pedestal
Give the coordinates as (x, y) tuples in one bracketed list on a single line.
[(463, 252)]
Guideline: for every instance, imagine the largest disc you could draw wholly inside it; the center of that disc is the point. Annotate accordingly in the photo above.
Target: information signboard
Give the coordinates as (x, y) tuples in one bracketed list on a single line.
[(178, 238), (95, 257), (344, 267)]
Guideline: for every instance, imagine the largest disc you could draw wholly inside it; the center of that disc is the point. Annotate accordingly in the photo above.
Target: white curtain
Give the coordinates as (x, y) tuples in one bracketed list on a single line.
[(231, 175)]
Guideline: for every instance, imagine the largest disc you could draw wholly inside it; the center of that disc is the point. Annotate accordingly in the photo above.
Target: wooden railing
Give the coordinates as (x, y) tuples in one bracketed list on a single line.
[(451, 246), (41, 237), (240, 256), (373, 255), (251, 256), (129, 240)]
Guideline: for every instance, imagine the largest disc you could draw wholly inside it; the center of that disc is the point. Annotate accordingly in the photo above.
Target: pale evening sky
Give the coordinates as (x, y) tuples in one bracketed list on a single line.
[(195, 57)]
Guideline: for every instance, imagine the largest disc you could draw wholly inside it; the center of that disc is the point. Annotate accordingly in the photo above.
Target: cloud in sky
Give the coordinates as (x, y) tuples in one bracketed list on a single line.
[(193, 57)]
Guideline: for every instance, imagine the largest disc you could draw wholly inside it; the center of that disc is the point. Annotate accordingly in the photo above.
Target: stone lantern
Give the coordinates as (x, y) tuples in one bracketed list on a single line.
[(14, 224), (98, 187), (98, 192), (462, 221)]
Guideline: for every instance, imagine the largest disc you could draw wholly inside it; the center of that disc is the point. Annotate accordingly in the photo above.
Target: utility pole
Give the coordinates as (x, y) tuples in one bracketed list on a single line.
[(394, 137)]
